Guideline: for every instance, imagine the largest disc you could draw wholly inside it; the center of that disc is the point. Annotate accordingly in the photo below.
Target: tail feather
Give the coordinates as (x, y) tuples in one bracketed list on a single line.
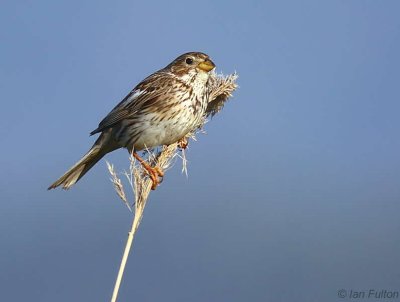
[(79, 169)]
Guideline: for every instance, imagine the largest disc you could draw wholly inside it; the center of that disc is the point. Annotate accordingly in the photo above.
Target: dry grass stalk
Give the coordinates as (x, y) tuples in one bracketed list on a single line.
[(220, 88)]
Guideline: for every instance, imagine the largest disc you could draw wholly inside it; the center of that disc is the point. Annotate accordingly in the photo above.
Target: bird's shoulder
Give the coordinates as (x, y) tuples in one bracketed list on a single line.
[(148, 92)]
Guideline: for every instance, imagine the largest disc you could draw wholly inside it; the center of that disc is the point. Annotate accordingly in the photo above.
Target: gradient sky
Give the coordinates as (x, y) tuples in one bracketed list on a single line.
[(292, 195)]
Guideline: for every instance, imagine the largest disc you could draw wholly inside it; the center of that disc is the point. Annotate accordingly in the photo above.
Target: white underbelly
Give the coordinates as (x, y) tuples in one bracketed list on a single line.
[(155, 133)]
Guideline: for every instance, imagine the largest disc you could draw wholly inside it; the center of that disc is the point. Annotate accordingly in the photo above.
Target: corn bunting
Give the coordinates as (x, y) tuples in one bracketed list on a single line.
[(160, 110)]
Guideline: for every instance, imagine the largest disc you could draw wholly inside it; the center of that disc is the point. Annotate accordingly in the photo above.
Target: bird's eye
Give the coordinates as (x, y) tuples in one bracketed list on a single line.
[(189, 61)]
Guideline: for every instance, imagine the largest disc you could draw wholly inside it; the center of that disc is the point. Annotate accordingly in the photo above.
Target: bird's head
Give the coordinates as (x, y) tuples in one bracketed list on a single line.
[(191, 63)]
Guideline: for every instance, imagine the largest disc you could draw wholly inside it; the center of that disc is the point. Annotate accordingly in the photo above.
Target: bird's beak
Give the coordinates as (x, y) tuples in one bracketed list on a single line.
[(206, 65)]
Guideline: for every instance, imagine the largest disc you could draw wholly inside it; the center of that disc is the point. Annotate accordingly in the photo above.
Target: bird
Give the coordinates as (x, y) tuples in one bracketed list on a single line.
[(160, 110)]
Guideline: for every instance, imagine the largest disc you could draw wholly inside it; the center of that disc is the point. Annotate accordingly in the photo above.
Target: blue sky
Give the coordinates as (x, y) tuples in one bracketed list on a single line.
[(293, 194)]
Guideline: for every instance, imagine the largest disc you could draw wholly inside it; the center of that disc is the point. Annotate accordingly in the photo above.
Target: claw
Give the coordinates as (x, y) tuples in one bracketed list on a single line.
[(159, 171), (154, 173), (183, 143)]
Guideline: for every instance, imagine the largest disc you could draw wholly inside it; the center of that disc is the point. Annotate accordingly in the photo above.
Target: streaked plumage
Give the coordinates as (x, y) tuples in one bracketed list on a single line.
[(160, 110)]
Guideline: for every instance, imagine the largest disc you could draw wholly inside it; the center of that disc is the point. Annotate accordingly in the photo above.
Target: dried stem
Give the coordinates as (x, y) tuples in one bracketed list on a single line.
[(220, 88)]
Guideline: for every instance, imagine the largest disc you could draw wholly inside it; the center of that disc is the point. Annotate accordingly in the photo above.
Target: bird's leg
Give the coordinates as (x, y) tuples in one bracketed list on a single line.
[(183, 143), (154, 173)]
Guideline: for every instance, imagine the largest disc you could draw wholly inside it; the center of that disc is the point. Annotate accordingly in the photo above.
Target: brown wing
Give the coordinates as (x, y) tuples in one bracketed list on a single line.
[(144, 93)]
